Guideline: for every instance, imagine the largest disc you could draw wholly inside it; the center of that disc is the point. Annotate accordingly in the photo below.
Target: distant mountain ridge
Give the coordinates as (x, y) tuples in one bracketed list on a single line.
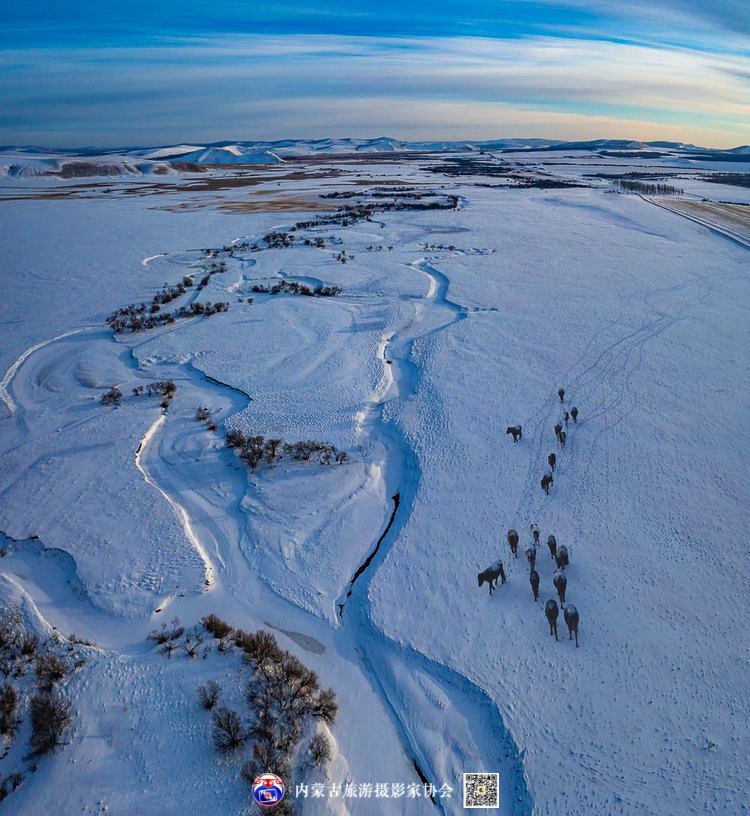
[(165, 159)]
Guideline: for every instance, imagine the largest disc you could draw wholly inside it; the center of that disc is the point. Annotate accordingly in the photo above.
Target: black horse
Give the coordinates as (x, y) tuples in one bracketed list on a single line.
[(561, 393), (574, 414), (516, 431), (491, 574), (513, 542), (534, 581), (563, 436), (552, 544), (547, 482), (561, 584), (531, 557), (558, 430), (561, 557), (571, 619), (552, 461), (552, 612)]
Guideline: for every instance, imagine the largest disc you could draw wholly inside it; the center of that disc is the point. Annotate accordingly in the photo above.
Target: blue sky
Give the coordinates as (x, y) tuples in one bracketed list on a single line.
[(142, 73)]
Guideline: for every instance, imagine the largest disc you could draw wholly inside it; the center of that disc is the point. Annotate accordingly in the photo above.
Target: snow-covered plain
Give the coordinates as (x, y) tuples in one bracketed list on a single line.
[(452, 324)]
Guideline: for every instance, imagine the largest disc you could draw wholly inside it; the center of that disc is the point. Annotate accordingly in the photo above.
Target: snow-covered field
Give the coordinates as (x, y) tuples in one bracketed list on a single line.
[(451, 325)]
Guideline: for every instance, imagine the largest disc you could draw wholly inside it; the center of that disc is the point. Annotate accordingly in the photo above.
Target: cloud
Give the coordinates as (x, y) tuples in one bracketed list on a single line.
[(271, 86)]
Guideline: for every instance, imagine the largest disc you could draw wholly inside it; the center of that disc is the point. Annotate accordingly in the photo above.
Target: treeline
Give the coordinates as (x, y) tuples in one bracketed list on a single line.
[(255, 450), (294, 288), (632, 186), (134, 319)]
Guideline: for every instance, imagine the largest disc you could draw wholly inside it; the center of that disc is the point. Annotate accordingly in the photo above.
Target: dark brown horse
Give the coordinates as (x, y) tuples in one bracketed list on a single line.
[(563, 436), (561, 393), (571, 619), (552, 612), (552, 461), (574, 414), (552, 544), (516, 431), (547, 482), (513, 542), (534, 581), (561, 584), (558, 430), (561, 557), (491, 574)]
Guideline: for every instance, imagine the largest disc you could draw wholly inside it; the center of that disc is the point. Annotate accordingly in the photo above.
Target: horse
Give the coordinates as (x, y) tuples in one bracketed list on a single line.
[(552, 612), (516, 431), (561, 393), (563, 436), (552, 544), (531, 557), (534, 581), (561, 557), (560, 583), (534, 532), (513, 542), (574, 414), (571, 619), (565, 418), (491, 574), (552, 461), (547, 482), (558, 430)]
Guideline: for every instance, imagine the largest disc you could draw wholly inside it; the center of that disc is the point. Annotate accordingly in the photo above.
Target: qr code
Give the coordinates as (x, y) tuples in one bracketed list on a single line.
[(481, 790)]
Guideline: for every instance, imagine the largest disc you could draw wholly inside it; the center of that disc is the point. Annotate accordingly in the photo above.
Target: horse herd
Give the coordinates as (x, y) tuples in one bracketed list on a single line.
[(559, 553)]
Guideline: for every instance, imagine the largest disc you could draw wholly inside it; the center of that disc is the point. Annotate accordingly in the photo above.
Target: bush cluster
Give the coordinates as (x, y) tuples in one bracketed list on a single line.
[(50, 711), (137, 322), (283, 696), (294, 288), (254, 450), (111, 397)]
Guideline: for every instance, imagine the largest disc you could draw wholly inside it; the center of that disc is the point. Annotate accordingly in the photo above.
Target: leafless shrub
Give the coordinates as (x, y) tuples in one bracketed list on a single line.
[(8, 705), (29, 644), (209, 694), (193, 642), (320, 750), (259, 647), (229, 732), (50, 718), (216, 626), (174, 631), (50, 669)]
